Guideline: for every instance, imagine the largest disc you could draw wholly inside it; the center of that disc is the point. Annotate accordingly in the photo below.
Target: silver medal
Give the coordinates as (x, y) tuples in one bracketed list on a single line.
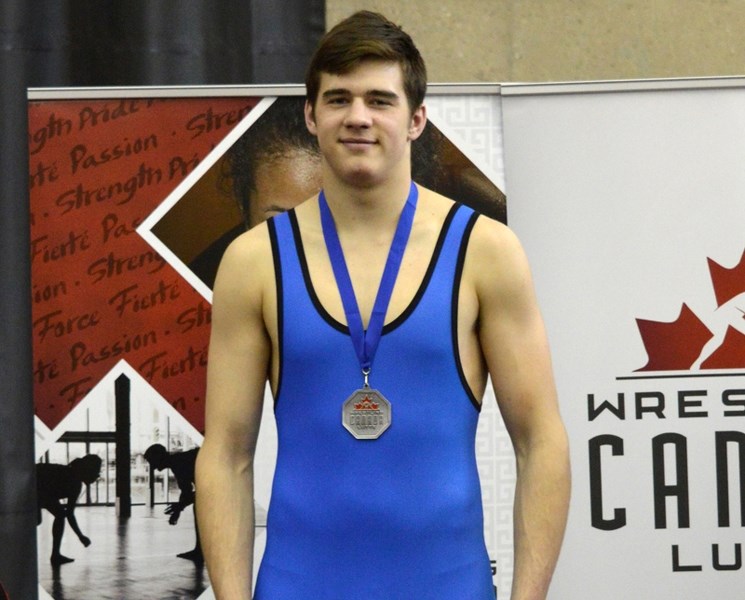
[(366, 414)]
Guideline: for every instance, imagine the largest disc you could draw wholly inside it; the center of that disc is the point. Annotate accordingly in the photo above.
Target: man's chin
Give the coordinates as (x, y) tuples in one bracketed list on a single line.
[(362, 177), (363, 183)]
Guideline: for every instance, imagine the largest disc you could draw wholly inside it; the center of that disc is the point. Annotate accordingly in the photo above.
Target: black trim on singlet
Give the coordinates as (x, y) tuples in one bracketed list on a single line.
[(415, 300), (280, 302), (454, 304)]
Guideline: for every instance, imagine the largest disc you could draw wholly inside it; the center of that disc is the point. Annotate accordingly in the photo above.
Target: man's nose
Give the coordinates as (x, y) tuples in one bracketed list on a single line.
[(358, 114)]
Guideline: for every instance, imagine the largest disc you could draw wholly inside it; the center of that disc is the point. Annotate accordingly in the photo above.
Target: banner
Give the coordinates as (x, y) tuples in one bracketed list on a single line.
[(630, 201), (134, 196)]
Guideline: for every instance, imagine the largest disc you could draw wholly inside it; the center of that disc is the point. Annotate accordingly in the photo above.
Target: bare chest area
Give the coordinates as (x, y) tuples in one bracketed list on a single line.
[(365, 257)]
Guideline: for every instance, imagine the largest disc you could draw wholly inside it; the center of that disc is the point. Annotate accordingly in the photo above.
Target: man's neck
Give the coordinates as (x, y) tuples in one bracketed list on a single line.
[(374, 207)]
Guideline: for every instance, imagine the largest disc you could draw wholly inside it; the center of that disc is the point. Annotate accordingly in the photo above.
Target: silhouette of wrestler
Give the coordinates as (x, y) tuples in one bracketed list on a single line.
[(57, 482), (181, 465)]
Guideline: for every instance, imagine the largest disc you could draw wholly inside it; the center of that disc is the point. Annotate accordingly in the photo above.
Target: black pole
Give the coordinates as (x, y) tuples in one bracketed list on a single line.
[(18, 567), (123, 451)]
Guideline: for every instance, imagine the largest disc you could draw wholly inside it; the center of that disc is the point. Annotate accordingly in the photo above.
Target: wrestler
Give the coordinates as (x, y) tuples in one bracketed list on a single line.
[(376, 310)]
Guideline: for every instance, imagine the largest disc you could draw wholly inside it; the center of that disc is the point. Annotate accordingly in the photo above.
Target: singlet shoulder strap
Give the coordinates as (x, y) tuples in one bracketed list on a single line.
[(470, 217), (283, 251)]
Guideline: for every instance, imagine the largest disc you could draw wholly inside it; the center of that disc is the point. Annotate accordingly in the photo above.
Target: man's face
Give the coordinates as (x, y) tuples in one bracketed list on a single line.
[(93, 474), (282, 183), (364, 124), (158, 463)]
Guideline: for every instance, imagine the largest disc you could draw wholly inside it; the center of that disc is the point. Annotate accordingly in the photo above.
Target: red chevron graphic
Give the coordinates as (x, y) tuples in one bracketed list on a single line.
[(100, 292)]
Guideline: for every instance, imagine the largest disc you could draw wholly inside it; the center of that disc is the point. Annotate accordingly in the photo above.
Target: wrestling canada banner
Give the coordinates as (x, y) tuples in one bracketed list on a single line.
[(633, 222)]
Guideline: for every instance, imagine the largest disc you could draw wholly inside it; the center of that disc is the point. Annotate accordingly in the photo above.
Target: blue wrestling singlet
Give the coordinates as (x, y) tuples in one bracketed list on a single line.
[(397, 518)]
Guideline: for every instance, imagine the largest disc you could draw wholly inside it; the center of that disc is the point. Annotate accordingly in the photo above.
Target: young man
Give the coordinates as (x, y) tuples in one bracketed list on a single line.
[(376, 310), (56, 482), (182, 465)]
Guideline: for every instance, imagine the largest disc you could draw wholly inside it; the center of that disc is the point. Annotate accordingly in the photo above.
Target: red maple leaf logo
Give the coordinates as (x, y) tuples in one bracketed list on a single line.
[(366, 404), (680, 344), (673, 346), (727, 283), (730, 355)]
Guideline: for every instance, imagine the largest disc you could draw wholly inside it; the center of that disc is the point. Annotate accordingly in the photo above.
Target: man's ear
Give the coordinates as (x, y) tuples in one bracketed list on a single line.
[(418, 122), (310, 118)]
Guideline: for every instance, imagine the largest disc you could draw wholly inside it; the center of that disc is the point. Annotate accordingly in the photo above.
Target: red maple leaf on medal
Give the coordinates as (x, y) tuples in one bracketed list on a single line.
[(101, 294), (680, 344), (366, 404)]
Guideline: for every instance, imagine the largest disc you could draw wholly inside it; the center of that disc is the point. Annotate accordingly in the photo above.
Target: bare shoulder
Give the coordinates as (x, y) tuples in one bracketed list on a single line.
[(495, 255), (248, 247), (245, 267), (495, 239), (433, 208), (496, 262)]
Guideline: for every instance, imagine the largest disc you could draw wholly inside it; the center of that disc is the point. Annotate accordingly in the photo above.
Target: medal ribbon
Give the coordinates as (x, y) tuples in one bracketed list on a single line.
[(366, 342)]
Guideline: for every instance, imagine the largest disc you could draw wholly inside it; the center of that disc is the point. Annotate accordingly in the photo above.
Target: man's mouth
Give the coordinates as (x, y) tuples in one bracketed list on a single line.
[(352, 142)]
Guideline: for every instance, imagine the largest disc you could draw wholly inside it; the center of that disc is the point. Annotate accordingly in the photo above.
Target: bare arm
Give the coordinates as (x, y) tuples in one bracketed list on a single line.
[(236, 377), (514, 343), (72, 502)]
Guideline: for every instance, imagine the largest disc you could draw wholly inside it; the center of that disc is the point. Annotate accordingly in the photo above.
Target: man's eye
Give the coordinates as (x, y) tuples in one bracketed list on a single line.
[(381, 102)]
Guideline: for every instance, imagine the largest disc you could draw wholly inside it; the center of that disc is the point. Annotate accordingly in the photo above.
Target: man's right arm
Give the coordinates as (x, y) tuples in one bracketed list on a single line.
[(72, 501), (239, 356)]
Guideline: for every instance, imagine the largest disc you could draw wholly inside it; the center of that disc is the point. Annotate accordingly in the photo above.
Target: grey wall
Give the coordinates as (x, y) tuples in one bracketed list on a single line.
[(567, 40)]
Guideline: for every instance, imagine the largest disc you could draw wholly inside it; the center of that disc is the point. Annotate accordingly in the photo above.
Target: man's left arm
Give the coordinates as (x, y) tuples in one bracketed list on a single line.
[(513, 341), (72, 502), (185, 482), (183, 470)]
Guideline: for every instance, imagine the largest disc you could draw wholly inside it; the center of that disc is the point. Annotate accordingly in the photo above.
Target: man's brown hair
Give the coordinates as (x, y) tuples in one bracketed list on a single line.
[(362, 37)]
